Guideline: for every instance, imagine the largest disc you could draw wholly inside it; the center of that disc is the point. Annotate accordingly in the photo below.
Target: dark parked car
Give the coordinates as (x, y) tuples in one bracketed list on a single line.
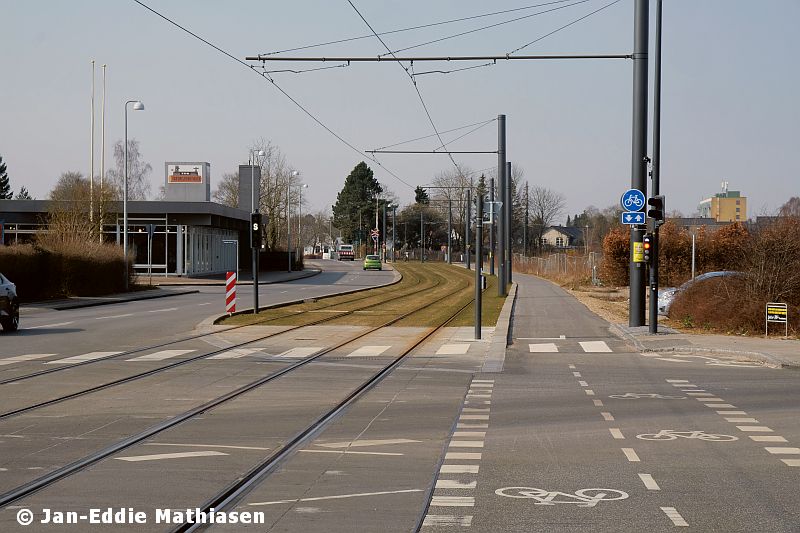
[(667, 296), (9, 305)]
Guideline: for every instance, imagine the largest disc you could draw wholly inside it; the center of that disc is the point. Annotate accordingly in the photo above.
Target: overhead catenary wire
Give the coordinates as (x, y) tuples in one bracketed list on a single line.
[(268, 78), (413, 82), (482, 123), (411, 28)]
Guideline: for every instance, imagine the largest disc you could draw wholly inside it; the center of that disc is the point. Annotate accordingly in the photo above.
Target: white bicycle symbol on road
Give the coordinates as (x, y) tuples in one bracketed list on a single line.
[(581, 498), (671, 434), (640, 395), (632, 200)]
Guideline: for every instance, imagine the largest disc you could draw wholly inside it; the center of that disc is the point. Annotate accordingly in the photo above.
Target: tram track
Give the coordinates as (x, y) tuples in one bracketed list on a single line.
[(85, 462)]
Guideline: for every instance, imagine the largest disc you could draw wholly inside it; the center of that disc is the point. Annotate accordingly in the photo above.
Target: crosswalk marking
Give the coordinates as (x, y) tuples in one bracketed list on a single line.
[(478, 434), (453, 349), (21, 358), (459, 469), (791, 462), (649, 482), (160, 456), (369, 351), (546, 347), (160, 356), (767, 438), (783, 450), (432, 520), (466, 456), (759, 429), (235, 354), (453, 501), (81, 358), (675, 516), (466, 444), (594, 346), (455, 484), (300, 351)]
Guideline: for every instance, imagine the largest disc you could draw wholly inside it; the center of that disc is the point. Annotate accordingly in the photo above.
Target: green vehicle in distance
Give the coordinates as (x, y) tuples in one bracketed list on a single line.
[(372, 262)]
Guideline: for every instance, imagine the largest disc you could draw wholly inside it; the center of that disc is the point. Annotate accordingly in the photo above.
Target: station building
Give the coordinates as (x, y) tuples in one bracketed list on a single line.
[(184, 234)]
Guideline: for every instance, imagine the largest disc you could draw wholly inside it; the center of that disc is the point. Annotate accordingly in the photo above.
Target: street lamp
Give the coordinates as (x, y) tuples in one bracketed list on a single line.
[(137, 106), (288, 218), (300, 217), (254, 154)]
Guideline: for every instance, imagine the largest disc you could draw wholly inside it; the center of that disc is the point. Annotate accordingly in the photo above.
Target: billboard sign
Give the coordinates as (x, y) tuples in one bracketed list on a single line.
[(185, 173)]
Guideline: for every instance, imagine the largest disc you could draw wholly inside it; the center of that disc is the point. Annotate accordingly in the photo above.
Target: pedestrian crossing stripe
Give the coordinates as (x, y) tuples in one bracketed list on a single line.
[(586, 346), (368, 351), (453, 349), (300, 351), (21, 358), (81, 358), (160, 356)]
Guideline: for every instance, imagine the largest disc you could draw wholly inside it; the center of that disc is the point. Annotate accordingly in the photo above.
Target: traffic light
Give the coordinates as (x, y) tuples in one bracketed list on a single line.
[(255, 230), (647, 246), (656, 211)]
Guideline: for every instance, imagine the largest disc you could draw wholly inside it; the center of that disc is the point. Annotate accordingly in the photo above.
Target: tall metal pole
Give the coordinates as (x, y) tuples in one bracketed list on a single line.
[(421, 235), (394, 233), (491, 226), (509, 212), (466, 226), (501, 187), (525, 227), (102, 151), (478, 263), (449, 230), (91, 157), (125, 202), (383, 233), (636, 315), (656, 170), (288, 223)]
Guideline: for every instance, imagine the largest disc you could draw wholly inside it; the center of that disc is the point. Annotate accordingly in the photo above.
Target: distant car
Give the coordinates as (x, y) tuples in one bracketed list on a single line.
[(667, 296), (372, 262), (9, 305)]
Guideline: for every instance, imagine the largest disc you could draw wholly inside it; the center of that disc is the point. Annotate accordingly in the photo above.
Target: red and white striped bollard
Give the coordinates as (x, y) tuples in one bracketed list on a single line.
[(230, 292)]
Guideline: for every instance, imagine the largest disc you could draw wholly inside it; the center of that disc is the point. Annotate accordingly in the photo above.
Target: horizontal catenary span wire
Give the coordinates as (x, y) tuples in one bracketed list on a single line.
[(482, 123), (431, 152), (266, 77), (411, 28), (381, 59)]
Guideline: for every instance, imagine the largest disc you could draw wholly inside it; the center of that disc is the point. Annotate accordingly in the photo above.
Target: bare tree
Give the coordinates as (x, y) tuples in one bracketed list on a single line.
[(791, 208), (449, 192), (545, 206), (138, 171), (227, 191), (68, 211)]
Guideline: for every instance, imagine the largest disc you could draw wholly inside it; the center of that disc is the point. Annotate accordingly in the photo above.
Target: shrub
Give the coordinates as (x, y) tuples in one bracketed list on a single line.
[(616, 253)]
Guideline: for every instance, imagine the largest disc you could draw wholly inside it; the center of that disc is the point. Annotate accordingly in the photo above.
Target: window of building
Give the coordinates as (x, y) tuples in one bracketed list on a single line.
[(559, 241), (737, 202), (737, 217), (737, 209)]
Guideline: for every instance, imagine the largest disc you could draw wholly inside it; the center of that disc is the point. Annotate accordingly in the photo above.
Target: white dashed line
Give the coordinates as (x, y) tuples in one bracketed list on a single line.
[(459, 469), (723, 413), (698, 394), (742, 420), (461, 425), (783, 450), (767, 438), (455, 484), (608, 417), (720, 405), (791, 462), (589, 392), (446, 520), (453, 501), (649, 482), (477, 434), (630, 453), (160, 456), (572, 367), (473, 417), (675, 516), (583, 384), (598, 403), (677, 381), (616, 433), (462, 456), (466, 444), (757, 429), (709, 399), (576, 374)]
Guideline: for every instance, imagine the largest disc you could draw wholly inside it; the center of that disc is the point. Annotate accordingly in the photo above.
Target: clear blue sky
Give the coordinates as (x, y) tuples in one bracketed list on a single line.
[(730, 109)]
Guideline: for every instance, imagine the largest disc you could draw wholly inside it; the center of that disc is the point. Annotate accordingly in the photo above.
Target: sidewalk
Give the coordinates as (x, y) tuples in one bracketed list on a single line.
[(784, 353), (164, 290)]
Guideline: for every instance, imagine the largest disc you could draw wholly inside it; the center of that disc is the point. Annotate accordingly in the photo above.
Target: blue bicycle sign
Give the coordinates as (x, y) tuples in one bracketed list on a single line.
[(632, 200)]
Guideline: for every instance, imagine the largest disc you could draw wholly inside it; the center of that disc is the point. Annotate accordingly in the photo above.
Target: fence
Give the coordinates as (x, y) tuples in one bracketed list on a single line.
[(559, 265)]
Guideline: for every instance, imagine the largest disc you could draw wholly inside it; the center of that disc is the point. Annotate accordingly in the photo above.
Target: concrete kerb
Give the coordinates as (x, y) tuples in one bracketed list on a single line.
[(131, 297), (495, 358), (212, 283), (756, 356), (213, 319)]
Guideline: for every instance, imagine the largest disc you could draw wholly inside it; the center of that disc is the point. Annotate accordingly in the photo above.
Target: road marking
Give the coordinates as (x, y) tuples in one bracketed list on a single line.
[(742, 420), (455, 484), (767, 438), (300, 351), (577, 374), (432, 520), (160, 356), (731, 413), (677, 381), (547, 347), (476, 409), (205, 446), (598, 403), (559, 338), (572, 367), (723, 405), (589, 392), (453, 501), (760, 429), (468, 456), (649, 482), (709, 399), (703, 394), (479, 434), (163, 310), (452, 349), (483, 381), (52, 325), (791, 462), (651, 354), (671, 360), (583, 384), (362, 443), (236, 353), (482, 385), (206, 303), (337, 497), (113, 316), (459, 469), (351, 452), (783, 450), (20, 358), (369, 351), (608, 417), (80, 358), (695, 390), (474, 394), (461, 425), (466, 444), (160, 456), (595, 346), (675, 516), (616, 433), (688, 385), (473, 417), (630, 454)]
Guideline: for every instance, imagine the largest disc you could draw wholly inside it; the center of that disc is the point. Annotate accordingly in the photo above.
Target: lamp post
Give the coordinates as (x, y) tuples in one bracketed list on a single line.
[(288, 218), (300, 217), (254, 248), (137, 106)]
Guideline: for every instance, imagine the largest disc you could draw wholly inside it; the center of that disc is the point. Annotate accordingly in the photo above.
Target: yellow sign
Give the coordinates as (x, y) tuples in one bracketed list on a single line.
[(638, 252)]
